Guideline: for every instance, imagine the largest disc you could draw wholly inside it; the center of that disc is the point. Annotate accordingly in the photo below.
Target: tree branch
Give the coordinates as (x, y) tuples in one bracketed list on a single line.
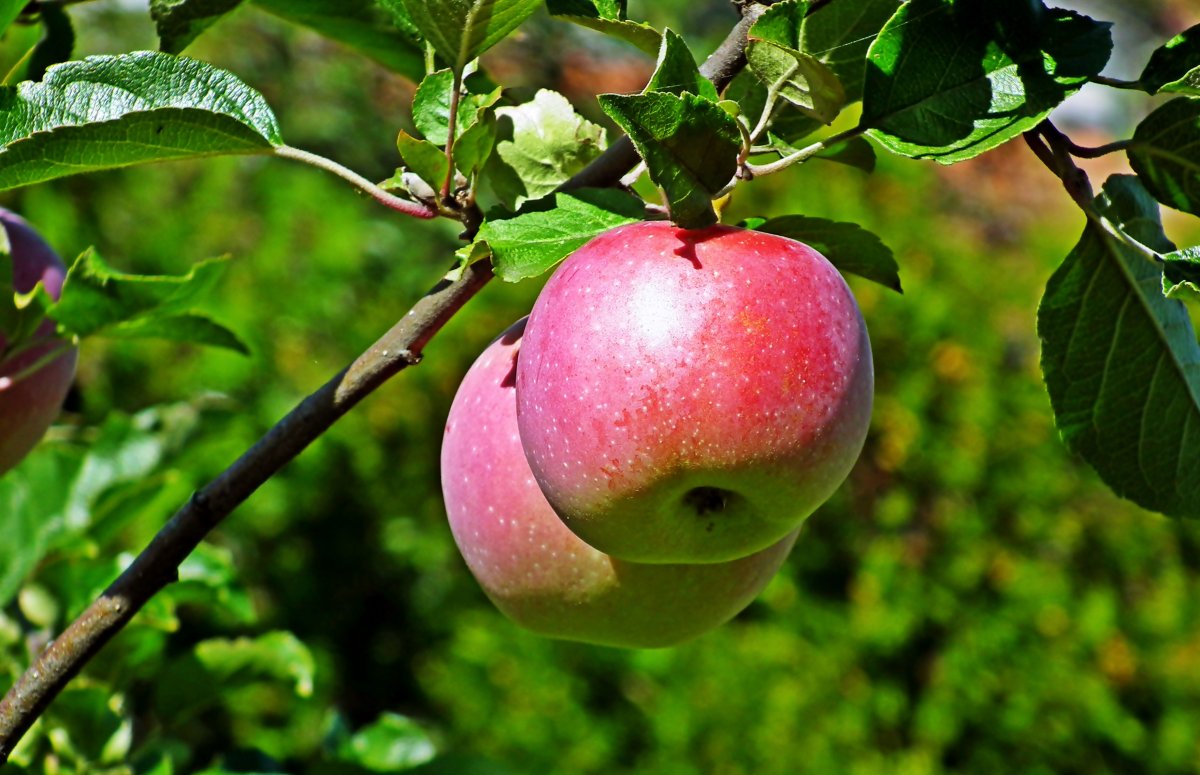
[(158, 564)]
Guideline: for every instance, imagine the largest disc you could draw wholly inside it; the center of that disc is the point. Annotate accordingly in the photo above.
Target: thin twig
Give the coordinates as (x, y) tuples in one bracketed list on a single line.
[(1116, 83), (1085, 152), (414, 209), (157, 565)]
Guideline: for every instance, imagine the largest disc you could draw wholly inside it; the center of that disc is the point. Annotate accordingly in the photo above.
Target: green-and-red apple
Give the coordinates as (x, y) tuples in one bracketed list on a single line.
[(692, 396), (537, 571), (31, 400)]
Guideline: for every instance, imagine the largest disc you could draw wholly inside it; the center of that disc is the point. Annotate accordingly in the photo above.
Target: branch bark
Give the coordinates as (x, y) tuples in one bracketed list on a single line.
[(158, 564)]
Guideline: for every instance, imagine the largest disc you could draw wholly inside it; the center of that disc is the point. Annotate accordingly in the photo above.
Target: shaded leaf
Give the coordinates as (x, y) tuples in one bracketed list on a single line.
[(98, 300), (376, 29), (533, 242), (839, 35), (1175, 66), (1121, 361), (114, 111), (9, 11), (848, 246), (948, 81), (1165, 153), (690, 146), (606, 18), (461, 30), (1181, 273), (179, 22)]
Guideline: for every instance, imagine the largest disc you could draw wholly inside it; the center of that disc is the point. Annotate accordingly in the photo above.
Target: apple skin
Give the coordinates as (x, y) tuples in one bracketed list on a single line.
[(535, 570), (29, 405), (692, 396)]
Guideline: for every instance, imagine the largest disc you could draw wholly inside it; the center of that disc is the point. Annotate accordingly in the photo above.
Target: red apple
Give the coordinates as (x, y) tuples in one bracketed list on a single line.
[(30, 401), (537, 571), (692, 396)]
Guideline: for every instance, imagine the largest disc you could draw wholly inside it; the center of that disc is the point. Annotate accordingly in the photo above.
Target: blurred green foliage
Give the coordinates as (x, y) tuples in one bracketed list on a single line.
[(971, 601)]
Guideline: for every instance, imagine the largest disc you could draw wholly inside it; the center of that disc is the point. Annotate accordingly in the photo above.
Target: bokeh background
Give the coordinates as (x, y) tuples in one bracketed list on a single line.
[(973, 599)]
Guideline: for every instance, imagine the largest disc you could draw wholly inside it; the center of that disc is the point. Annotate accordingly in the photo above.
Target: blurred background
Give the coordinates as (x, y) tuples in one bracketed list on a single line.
[(973, 599)]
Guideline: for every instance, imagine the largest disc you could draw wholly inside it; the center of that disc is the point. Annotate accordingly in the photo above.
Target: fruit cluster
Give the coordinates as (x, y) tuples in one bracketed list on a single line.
[(33, 379), (632, 463)]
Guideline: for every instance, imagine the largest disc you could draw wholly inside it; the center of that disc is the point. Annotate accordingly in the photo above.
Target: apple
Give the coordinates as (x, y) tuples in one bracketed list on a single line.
[(535, 570), (30, 401), (692, 396)]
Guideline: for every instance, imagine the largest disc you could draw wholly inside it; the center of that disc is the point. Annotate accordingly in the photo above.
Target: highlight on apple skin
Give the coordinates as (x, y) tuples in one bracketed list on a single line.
[(30, 403), (535, 570), (692, 396)]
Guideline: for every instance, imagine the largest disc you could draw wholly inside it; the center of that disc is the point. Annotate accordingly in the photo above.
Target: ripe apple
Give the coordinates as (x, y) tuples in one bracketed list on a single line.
[(692, 396), (29, 403), (537, 571)]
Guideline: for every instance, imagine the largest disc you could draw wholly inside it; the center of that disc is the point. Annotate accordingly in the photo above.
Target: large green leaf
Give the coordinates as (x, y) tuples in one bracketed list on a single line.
[(690, 146), (377, 29), (1175, 66), (1121, 361), (179, 22), (115, 111), (950, 80), (531, 243), (98, 300), (839, 34), (1165, 153), (461, 30)]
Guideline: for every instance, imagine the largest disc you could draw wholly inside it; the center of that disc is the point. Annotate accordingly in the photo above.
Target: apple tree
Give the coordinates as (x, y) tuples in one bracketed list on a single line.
[(529, 179)]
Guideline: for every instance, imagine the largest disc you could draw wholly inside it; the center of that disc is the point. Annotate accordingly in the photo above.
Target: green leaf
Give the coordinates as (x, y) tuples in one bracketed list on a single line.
[(188, 328), (1175, 67), (531, 243), (96, 299), (607, 18), (1165, 153), (9, 11), (53, 495), (390, 743), (798, 78), (839, 34), (431, 106), (539, 146), (461, 30), (689, 144), (423, 158), (214, 668), (475, 145), (377, 30), (676, 71), (1121, 362), (848, 246), (775, 57), (179, 22), (948, 81), (1181, 273), (114, 111)]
